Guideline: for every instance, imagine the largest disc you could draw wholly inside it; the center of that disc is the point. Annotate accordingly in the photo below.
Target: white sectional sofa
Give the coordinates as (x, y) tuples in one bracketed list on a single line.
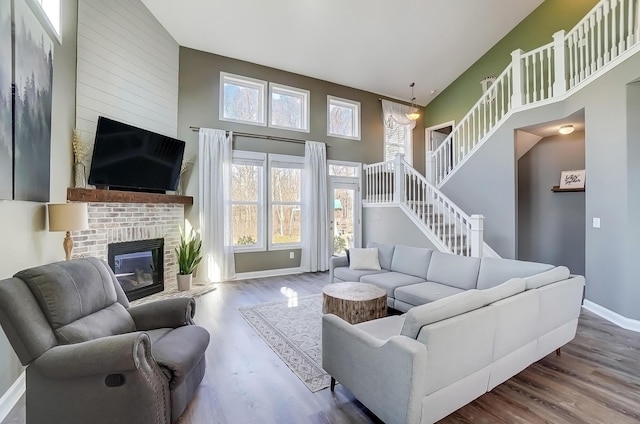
[(421, 366), (414, 276)]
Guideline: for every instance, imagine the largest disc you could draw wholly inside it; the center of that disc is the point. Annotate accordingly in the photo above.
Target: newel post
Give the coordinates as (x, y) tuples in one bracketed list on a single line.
[(398, 178), (516, 70), (559, 78), (477, 237)]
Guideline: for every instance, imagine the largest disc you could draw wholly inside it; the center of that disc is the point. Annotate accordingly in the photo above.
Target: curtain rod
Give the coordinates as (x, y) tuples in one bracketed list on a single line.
[(260, 136)]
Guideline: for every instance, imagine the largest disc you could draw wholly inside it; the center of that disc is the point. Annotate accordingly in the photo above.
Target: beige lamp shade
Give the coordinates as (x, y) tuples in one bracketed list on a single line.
[(68, 217)]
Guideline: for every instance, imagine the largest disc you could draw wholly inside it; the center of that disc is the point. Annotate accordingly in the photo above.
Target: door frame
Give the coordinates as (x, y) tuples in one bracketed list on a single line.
[(354, 183)]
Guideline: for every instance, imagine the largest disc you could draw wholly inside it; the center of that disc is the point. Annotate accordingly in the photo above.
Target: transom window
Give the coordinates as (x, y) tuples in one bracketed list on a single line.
[(289, 108), (343, 118), (242, 99)]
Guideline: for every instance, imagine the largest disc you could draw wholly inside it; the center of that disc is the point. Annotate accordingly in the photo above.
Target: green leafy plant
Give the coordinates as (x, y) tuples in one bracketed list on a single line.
[(189, 252)]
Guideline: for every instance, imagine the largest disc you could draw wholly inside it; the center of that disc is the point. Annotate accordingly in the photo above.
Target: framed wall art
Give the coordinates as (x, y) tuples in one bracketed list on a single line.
[(572, 179)]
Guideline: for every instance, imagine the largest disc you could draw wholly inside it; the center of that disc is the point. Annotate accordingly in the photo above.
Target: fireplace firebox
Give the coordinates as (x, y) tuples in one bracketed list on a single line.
[(138, 266)]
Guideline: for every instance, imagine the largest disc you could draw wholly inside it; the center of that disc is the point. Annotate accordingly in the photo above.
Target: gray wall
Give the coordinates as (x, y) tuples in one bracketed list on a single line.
[(551, 226), (27, 242), (392, 226), (486, 184), (198, 106)]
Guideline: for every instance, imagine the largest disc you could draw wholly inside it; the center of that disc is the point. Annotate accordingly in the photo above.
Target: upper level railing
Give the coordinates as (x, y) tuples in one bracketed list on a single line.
[(448, 226), (610, 29)]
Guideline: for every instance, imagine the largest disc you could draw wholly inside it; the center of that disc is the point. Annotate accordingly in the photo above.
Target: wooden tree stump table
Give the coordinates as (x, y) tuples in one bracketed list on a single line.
[(354, 302)]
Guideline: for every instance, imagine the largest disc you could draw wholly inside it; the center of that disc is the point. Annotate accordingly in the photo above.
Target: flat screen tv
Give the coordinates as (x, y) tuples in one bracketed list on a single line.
[(130, 158)]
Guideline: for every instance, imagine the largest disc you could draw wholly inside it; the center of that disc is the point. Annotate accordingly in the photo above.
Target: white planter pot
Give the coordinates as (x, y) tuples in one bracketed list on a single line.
[(184, 282)]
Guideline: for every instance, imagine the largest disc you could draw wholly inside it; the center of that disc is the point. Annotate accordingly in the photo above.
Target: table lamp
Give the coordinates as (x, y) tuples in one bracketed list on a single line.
[(68, 217)]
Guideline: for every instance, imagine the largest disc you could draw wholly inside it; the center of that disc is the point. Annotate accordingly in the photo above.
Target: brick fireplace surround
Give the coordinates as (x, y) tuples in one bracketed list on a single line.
[(116, 216)]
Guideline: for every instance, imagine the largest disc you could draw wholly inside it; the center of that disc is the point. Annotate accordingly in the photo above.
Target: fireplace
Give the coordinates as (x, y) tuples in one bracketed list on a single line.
[(138, 266)]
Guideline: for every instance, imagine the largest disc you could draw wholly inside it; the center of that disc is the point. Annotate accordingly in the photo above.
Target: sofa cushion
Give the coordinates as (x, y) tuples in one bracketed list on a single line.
[(346, 274), (391, 280), (383, 328), (453, 270), (502, 291), (441, 309), (67, 291), (364, 259), (419, 294), (385, 253), (556, 274), (494, 271), (411, 260), (109, 321)]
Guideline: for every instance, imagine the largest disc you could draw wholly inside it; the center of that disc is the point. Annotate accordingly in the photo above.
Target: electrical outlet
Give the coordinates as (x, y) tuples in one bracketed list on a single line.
[(292, 255)]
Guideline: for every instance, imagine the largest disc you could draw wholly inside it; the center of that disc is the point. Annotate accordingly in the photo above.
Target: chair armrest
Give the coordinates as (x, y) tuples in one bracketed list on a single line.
[(106, 355), (335, 262), (170, 313), (387, 376)]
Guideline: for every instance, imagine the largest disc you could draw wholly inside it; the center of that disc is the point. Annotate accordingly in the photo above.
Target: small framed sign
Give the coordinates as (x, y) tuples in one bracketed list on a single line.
[(572, 179)]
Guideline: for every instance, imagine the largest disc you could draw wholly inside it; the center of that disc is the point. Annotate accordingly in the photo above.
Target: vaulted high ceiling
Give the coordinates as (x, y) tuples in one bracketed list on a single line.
[(374, 45)]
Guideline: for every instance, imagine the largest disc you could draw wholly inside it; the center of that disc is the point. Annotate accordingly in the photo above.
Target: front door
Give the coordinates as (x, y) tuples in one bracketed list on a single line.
[(346, 215)]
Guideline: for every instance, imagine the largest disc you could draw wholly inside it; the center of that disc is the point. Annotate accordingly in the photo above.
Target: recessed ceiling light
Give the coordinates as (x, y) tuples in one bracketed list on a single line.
[(566, 129)]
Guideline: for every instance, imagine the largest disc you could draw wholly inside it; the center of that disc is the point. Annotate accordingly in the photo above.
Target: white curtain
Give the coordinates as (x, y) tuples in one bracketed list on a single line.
[(215, 157), (315, 234), (398, 113)]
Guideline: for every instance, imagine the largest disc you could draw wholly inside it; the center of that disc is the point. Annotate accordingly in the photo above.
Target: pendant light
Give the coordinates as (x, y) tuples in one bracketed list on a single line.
[(414, 113)]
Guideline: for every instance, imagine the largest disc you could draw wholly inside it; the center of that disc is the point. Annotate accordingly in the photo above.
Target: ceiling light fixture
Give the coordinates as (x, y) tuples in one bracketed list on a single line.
[(413, 114), (566, 129)]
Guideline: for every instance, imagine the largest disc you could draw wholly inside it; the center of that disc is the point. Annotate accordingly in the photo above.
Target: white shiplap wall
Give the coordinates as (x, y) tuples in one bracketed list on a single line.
[(127, 68)]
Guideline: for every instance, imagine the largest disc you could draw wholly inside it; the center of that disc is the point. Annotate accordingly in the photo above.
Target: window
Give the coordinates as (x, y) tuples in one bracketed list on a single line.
[(285, 200), (247, 194), (256, 217), (51, 9), (242, 99), (289, 108), (343, 118), (397, 139), (344, 169)]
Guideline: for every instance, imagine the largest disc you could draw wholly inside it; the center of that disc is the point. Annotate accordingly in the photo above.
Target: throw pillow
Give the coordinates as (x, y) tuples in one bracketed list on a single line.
[(364, 259)]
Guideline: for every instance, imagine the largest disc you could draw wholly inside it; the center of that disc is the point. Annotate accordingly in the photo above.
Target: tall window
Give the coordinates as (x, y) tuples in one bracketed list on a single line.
[(242, 99), (286, 200), (266, 196), (289, 108), (397, 139), (343, 118), (247, 194)]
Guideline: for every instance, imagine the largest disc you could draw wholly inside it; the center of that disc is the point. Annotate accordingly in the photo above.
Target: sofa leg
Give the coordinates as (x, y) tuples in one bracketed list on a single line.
[(333, 384), (558, 351)]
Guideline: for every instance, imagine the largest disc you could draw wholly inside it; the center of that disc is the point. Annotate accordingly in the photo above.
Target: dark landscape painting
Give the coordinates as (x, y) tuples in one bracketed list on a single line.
[(32, 102), (6, 104)]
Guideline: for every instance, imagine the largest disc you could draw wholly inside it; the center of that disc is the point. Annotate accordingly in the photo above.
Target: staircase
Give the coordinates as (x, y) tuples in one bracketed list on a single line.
[(606, 36), (609, 32)]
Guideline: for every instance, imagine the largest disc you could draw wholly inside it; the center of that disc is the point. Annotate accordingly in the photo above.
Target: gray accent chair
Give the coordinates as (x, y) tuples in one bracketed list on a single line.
[(93, 359)]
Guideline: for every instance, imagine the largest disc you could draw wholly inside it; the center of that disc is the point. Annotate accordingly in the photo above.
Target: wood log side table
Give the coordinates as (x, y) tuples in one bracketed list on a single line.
[(354, 302)]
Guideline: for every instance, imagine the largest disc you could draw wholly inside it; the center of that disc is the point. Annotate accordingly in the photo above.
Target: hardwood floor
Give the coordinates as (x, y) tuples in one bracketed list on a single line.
[(595, 380)]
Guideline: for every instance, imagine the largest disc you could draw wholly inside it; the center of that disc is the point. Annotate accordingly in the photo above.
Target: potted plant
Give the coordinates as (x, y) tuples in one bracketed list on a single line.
[(189, 256)]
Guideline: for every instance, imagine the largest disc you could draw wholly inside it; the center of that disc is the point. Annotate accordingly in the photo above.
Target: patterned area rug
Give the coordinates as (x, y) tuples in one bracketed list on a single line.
[(294, 331), (172, 292)]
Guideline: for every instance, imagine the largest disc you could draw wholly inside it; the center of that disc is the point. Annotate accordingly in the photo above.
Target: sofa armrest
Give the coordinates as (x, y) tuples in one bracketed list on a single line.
[(335, 262), (106, 355), (387, 376), (170, 313)]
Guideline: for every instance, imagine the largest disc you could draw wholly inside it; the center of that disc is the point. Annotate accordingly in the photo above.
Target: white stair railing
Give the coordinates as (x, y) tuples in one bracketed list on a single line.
[(448, 227), (610, 29)]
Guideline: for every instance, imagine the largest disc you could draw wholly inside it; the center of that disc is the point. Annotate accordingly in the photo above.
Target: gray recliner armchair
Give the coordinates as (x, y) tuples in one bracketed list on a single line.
[(93, 359)]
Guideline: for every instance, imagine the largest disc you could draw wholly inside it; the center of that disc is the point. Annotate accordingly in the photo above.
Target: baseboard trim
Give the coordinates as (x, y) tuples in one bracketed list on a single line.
[(12, 396), (614, 317), (268, 273)]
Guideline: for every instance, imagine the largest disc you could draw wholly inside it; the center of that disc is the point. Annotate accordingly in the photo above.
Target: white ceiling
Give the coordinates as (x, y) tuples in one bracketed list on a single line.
[(374, 45)]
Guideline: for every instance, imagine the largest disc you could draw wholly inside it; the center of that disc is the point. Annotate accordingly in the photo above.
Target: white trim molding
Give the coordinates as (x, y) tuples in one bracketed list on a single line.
[(267, 273), (614, 317), (12, 396)]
